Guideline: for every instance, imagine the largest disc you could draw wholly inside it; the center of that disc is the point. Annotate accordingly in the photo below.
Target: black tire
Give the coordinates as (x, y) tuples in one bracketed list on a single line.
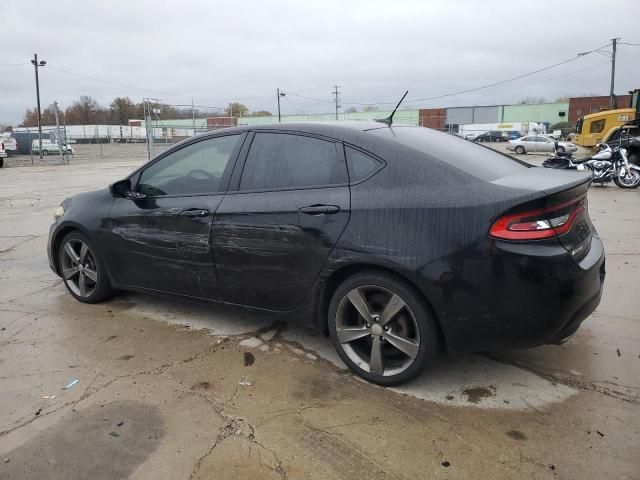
[(101, 288), (520, 150), (560, 149), (629, 184), (1, 162), (45, 152), (411, 321)]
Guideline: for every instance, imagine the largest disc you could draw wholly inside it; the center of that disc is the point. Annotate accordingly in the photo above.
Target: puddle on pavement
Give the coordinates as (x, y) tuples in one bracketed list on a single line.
[(472, 380)]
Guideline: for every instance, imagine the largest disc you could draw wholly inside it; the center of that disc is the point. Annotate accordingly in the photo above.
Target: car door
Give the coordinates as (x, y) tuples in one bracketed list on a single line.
[(544, 144), (273, 234), (161, 241)]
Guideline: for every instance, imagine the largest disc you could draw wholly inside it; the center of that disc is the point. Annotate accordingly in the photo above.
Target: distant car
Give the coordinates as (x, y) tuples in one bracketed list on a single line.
[(470, 136), (513, 135), (538, 143), (50, 147), (493, 136), (3, 154)]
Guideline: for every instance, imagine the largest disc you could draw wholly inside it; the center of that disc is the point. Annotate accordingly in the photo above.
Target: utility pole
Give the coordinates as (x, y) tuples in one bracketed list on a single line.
[(37, 64), (278, 95), (612, 98), (336, 93)]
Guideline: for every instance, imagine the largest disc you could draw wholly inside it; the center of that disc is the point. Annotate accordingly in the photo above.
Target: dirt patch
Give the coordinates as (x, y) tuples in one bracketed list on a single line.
[(476, 394)]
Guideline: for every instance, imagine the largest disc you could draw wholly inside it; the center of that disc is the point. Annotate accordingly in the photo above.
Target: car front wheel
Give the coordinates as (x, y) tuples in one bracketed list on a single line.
[(82, 270), (520, 150), (381, 328)]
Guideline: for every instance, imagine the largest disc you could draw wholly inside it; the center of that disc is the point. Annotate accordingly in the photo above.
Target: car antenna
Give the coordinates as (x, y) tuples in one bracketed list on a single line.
[(389, 120)]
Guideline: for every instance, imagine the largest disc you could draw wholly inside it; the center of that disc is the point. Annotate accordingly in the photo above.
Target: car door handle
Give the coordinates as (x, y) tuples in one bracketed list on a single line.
[(195, 212), (320, 209)]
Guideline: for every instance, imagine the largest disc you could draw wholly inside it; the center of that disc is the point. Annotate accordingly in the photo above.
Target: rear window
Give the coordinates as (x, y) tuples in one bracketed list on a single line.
[(476, 160)]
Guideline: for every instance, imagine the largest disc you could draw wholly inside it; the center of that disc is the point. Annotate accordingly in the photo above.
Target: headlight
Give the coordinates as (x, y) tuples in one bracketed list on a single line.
[(58, 212)]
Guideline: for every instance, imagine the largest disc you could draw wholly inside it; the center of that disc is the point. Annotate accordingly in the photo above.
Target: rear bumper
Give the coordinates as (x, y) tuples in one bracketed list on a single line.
[(498, 295)]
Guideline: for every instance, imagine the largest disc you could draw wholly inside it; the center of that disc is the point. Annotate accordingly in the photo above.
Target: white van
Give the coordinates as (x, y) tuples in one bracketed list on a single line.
[(50, 147)]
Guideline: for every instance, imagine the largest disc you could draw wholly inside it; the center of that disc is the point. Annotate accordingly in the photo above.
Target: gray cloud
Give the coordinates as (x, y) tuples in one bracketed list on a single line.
[(220, 52)]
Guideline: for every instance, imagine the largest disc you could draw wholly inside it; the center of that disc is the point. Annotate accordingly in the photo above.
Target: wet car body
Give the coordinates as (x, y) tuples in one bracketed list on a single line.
[(424, 213)]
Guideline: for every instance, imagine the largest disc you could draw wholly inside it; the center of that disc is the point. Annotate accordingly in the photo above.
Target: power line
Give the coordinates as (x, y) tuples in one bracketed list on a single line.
[(630, 44), (470, 90), (123, 85), (12, 64)]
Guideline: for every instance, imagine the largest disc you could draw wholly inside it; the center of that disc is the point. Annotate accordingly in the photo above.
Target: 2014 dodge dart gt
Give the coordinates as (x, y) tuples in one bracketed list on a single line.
[(397, 241)]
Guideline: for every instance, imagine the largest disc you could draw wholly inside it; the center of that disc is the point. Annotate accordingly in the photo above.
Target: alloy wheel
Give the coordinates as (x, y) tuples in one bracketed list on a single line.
[(79, 269), (377, 330)]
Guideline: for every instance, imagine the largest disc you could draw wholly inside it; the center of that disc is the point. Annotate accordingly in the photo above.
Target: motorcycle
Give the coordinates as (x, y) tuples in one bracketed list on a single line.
[(608, 164)]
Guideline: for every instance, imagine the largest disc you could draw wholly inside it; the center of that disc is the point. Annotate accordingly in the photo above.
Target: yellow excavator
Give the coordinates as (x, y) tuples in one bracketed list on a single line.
[(592, 129)]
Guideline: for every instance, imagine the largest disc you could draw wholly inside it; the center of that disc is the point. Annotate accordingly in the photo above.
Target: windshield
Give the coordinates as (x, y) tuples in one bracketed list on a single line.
[(579, 125), (477, 160)]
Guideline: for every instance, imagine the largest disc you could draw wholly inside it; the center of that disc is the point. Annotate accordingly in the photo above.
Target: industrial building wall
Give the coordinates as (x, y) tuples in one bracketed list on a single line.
[(540, 113), (490, 114), (581, 106), (459, 116), (432, 117)]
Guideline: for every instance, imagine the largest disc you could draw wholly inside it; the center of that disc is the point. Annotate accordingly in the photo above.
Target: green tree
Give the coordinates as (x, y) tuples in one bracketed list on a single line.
[(236, 109), (122, 110)]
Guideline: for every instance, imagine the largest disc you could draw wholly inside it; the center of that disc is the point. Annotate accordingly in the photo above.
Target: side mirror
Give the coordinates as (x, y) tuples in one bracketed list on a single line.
[(122, 189)]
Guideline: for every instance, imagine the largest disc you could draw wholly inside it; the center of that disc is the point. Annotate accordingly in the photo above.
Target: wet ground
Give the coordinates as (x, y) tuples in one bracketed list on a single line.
[(179, 390)]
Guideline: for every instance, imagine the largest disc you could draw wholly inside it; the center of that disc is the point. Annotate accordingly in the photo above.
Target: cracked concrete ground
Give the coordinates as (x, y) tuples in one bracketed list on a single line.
[(179, 390)]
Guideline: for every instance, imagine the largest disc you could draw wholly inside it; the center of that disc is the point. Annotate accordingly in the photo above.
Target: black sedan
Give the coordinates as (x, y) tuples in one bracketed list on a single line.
[(398, 242)]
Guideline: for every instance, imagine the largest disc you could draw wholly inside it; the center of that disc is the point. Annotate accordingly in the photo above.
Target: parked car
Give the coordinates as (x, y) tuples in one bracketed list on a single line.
[(538, 143), (398, 242), (493, 136), (49, 147), (513, 135), (10, 143), (3, 154)]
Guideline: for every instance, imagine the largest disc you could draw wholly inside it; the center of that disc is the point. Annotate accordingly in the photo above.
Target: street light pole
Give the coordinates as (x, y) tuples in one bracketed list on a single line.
[(37, 64)]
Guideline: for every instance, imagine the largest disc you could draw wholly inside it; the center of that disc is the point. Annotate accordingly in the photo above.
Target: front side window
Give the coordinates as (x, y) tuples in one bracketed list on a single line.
[(277, 161), (597, 126), (194, 169)]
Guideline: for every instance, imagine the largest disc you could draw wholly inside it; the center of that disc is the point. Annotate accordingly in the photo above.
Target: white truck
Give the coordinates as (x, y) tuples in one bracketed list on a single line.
[(511, 129)]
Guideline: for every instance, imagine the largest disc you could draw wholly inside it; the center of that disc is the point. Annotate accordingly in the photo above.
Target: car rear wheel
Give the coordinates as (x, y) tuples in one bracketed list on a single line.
[(381, 328), (45, 152), (520, 150), (82, 270)]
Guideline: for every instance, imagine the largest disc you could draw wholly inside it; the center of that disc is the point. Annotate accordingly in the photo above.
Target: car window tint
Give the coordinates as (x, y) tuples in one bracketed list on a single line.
[(290, 161), (360, 165), (196, 168)]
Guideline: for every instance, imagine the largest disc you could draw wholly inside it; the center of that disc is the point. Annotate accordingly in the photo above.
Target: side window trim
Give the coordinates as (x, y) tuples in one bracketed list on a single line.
[(234, 186), (224, 181), (381, 163)]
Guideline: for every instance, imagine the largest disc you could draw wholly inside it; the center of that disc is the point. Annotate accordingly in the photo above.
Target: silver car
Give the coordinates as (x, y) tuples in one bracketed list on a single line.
[(538, 143)]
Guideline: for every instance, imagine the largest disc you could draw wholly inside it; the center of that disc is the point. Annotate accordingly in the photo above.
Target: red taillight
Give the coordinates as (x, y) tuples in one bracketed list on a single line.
[(537, 224)]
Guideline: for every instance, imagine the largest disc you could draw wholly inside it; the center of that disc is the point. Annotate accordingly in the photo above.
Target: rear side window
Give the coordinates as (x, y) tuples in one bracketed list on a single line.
[(470, 157), (278, 160), (360, 165)]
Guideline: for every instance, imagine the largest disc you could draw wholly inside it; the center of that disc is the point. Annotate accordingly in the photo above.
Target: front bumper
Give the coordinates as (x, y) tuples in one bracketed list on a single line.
[(50, 248)]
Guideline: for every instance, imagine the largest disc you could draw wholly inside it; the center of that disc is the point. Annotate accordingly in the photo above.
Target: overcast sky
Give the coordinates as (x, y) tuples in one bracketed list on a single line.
[(242, 51)]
